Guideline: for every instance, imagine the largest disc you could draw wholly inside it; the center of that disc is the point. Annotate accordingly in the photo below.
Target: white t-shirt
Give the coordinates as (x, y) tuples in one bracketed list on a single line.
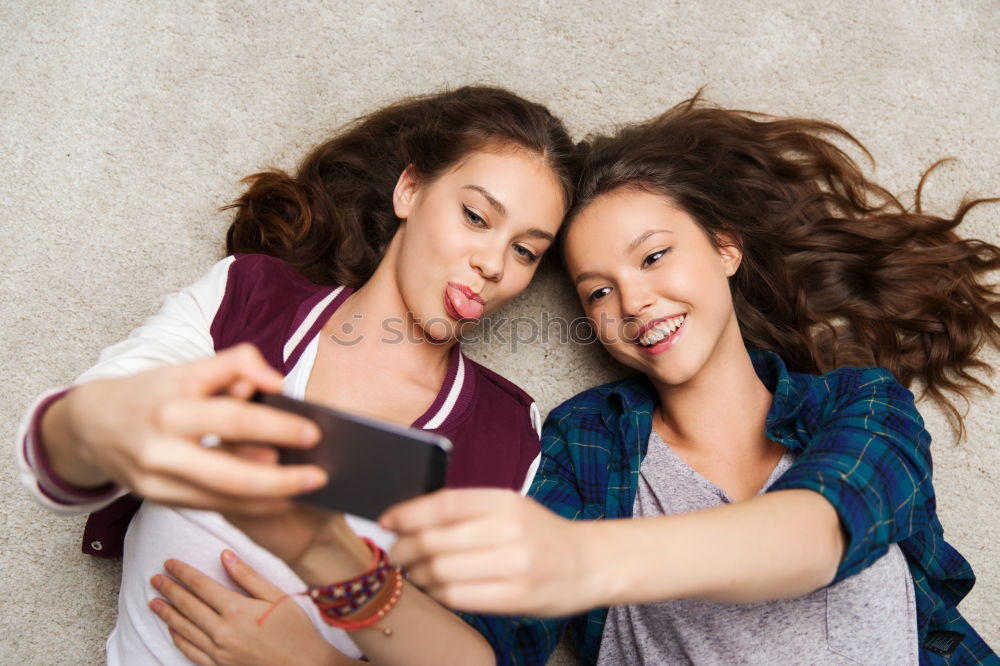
[(182, 331), (198, 537)]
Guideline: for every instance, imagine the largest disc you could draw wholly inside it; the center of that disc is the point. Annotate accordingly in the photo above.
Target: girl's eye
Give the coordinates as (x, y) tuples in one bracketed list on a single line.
[(654, 257), (525, 253), (598, 294), (473, 218)]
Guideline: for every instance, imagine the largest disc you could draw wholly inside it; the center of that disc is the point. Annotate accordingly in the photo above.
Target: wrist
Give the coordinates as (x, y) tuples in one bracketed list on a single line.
[(599, 582), (335, 553), (63, 449), (624, 561)]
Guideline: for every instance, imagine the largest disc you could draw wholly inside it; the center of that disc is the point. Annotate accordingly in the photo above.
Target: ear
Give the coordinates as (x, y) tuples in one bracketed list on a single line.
[(405, 192), (729, 252)]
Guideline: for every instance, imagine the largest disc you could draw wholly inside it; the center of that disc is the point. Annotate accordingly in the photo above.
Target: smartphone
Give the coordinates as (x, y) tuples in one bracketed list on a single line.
[(371, 464)]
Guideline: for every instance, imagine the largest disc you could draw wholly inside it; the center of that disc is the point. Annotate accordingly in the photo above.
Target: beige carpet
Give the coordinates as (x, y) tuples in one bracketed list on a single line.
[(125, 125)]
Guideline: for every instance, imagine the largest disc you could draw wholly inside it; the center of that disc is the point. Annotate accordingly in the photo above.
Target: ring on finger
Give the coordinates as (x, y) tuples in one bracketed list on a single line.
[(210, 440)]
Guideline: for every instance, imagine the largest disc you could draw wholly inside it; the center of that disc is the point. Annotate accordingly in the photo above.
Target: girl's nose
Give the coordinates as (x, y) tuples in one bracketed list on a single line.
[(488, 261), (635, 297)]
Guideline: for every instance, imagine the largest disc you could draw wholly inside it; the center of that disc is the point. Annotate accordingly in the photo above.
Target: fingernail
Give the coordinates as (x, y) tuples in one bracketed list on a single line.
[(242, 388), (228, 556), (155, 605), (314, 479), (310, 434), (169, 565), (156, 581)]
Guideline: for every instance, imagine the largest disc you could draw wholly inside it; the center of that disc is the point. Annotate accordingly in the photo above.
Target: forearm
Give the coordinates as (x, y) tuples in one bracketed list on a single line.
[(62, 450), (423, 632), (178, 333), (778, 545)]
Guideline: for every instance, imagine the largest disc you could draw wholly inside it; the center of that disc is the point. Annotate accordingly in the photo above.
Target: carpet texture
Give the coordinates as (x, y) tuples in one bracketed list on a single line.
[(126, 125)]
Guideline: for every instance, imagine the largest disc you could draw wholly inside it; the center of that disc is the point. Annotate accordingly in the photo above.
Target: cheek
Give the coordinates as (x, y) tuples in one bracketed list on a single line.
[(605, 326), (431, 226), (425, 248), (720, 289), (703, 283), (516, 280), (417, 272)]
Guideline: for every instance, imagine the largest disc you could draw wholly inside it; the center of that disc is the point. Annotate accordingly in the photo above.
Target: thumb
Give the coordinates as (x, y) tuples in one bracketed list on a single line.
[(235, 370), (248, 578)]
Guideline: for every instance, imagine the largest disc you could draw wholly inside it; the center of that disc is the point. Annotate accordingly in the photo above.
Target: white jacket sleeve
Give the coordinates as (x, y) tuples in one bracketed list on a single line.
[(536, 423), (179, 332)]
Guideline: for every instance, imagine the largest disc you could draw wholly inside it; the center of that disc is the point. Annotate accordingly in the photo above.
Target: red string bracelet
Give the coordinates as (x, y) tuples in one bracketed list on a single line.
[(396, 590), (345, 597)]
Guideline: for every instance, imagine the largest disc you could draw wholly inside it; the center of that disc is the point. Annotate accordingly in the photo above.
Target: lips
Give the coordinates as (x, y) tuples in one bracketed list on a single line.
[(660, 334), (658, 329), (462, 302)]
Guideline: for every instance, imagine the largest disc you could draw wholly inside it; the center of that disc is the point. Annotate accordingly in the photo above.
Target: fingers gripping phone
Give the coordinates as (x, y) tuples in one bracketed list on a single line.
[(371, 464)]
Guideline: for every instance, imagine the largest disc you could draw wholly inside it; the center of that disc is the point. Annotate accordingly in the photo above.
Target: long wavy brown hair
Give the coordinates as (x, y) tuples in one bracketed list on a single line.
[(333, 219), (836, 270)]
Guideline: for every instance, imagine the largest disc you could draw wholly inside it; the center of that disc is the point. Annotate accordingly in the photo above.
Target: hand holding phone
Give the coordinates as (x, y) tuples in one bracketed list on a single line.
[(371, 464)]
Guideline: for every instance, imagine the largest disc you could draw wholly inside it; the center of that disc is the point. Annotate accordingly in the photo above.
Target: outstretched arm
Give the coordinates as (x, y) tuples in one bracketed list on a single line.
[(143, 432), (133, 421), (492, 551), (861, 482)]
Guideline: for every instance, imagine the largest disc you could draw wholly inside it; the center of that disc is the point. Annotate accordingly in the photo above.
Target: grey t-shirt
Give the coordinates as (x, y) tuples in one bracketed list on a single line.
[(869, 618)]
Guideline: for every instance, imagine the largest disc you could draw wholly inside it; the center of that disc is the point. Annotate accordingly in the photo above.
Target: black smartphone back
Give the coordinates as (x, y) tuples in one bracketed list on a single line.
[(371, 464)]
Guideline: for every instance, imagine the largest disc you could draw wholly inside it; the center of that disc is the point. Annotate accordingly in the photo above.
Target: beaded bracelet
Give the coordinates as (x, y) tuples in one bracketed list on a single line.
[(339, 600), (336, 601), (345, 598), (395, 591)]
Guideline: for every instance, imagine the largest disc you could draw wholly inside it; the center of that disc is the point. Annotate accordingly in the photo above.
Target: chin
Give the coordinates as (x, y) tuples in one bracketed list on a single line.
[(467, 327), (671, 378), (659, 369), (440, 330), (630, 360)]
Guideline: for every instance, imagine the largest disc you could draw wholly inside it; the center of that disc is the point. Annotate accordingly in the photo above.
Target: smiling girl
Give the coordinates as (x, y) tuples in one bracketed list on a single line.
[(422, 218), (775, 303), (777, 480)]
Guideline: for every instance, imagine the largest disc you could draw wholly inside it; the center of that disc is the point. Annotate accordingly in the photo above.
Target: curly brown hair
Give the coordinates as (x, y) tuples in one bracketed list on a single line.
[(334, 218), (836, 270)]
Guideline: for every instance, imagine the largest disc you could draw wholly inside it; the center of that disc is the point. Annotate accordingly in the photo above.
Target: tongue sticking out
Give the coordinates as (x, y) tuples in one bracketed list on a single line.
[(464, 306)]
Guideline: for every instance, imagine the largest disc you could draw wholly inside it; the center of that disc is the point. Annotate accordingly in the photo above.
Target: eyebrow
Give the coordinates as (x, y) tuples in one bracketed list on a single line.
[(642, 238), (586, 275), (500, 208), (540, 234)]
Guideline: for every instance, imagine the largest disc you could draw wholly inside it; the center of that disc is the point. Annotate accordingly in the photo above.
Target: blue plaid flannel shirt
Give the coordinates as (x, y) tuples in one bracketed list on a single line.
[(860, 443)]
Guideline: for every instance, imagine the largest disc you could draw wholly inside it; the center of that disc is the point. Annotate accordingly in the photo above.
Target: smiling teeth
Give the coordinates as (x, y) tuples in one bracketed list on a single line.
[(661, 330)]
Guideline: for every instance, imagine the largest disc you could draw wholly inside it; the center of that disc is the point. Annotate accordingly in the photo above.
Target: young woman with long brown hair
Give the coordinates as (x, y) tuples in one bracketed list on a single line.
[(774, 301), (349, 282)]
